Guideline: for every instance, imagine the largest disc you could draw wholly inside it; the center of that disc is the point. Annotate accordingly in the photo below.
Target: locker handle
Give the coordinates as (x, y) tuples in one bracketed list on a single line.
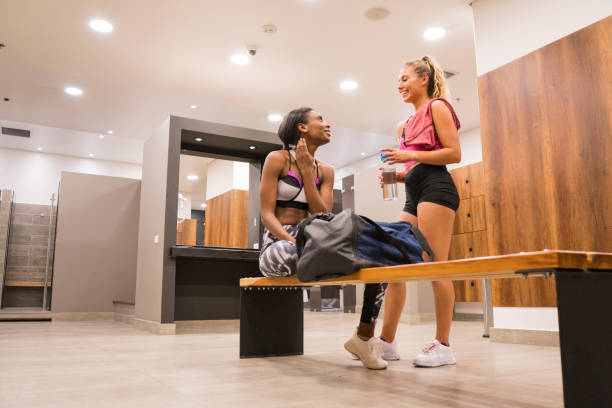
[(467, 181), (470, 249), (469, 215)]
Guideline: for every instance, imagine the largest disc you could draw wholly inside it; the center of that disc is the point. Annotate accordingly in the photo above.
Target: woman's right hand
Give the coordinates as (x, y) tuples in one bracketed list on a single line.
[(399, 177)]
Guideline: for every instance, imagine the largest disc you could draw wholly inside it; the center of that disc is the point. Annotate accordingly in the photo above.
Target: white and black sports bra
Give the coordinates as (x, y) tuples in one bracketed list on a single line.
[(290, 191)]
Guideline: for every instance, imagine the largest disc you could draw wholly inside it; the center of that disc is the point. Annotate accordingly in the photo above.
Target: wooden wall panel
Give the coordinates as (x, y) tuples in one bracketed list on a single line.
[(186, 232), (546, 126), (227, 220)]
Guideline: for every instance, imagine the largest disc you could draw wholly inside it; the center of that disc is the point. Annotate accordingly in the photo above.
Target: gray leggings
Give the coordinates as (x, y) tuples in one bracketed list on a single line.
[(279, 258)]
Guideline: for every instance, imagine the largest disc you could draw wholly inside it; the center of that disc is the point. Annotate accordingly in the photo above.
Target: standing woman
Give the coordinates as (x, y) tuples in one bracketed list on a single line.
[(431, 198)]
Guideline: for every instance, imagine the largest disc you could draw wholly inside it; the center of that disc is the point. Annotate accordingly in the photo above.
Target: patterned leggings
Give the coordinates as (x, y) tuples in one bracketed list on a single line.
[(279, 258)]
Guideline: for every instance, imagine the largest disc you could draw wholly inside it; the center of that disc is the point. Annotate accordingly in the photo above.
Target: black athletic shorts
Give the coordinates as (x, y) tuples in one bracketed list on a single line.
[(432, 184)]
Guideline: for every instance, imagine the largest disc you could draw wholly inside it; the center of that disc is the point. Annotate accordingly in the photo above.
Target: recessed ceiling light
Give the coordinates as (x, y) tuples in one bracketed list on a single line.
[(363, 154), (74, 91), (240, 59), (110, 132), (203, 205), (198, 139), (193, 106), (252, 147), (348, 85), (192, 177), (101, 136), (91, 155), (434, 33), (39, 149), (101, 26), (275, 117)]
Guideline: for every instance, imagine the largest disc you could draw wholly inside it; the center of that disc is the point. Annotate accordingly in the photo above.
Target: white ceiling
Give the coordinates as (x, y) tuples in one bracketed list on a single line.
[(164, 56)]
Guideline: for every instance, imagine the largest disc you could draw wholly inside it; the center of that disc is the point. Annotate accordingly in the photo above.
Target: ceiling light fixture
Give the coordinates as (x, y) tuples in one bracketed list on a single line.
[(240, 59), (101, 136), (275, 117), (192, 177), (193, 106), (198, 139), (91, 155), (203, 205), (363, 154), (110, 132), (252, 147), (101, 26), (349, 85), (73, 90), (434, 33), (39, 149)]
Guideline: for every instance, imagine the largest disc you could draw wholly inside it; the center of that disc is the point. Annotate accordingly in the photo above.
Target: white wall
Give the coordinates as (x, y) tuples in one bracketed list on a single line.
[(219, 178), (241, 176), (34, 176), (509, 29), (225, 175), (527, 26), (471, 148)]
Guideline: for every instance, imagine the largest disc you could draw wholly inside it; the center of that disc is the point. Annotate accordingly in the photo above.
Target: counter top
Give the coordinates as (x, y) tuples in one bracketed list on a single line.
[(214, 253)]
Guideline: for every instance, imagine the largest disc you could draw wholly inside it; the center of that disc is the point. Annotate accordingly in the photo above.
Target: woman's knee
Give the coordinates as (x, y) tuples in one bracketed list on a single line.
[(396, 287), (279, 259)]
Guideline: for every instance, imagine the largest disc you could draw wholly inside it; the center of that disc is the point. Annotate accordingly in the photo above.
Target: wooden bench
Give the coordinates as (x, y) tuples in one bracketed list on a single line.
[(272, 320)]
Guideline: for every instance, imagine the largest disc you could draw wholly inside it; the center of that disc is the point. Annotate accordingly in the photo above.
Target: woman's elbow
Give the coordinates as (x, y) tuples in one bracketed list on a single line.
[(456, 157)]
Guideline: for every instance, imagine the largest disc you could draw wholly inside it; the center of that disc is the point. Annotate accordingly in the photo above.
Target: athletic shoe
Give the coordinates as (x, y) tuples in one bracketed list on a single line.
[(434, 354), (389, 350), (367, 351)]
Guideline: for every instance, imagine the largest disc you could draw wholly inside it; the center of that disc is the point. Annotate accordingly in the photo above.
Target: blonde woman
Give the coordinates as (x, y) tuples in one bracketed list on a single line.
[(431, 198)]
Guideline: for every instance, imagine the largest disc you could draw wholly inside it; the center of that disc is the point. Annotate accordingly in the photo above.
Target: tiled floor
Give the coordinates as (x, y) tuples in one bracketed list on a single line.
[(109, 364)]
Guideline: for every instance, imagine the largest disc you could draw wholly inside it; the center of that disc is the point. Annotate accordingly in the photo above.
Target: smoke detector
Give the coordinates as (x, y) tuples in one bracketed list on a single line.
[(376, 13), (269, 28)]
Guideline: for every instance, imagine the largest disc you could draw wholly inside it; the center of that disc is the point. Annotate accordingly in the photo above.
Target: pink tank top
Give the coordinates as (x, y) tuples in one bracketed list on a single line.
[(416, 123)]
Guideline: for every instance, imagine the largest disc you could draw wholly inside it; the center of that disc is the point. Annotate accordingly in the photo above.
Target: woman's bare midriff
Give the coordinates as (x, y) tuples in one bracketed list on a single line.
[(290, 216)]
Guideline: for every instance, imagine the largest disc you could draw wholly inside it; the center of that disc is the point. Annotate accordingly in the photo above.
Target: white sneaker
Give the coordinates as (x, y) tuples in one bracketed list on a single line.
[(434, 354), (367, 351), (389, 350)]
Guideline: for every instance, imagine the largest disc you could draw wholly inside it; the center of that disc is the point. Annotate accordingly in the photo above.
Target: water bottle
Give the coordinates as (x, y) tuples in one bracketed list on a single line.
[(389, 186)]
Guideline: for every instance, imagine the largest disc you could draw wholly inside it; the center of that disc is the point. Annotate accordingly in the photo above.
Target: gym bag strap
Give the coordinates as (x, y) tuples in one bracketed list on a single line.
[(389, 239)]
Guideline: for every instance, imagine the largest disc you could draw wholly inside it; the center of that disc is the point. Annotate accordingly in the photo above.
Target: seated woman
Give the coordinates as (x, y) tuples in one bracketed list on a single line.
[(293, 184)]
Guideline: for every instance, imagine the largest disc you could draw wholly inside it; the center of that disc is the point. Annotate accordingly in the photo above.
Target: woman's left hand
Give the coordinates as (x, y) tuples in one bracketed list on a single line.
[(303, 156), (393, 156)]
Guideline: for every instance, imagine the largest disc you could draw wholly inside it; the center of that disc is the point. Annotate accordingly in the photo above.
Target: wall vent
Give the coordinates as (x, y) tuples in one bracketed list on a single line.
[(15, 132)]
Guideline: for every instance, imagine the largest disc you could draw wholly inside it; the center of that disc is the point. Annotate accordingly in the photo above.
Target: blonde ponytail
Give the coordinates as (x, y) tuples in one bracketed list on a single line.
[(436, 87)]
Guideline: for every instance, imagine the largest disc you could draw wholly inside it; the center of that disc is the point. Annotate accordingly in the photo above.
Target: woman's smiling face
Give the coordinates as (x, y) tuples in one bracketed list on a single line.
[(410, 86)]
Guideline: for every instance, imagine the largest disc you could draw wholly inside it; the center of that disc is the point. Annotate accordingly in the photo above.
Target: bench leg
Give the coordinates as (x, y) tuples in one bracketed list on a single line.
[(349, 298), (271, 321), (584, 304), (315, 299)]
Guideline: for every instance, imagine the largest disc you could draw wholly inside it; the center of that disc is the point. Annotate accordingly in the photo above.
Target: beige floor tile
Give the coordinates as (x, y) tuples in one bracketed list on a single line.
[(106, 363)]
